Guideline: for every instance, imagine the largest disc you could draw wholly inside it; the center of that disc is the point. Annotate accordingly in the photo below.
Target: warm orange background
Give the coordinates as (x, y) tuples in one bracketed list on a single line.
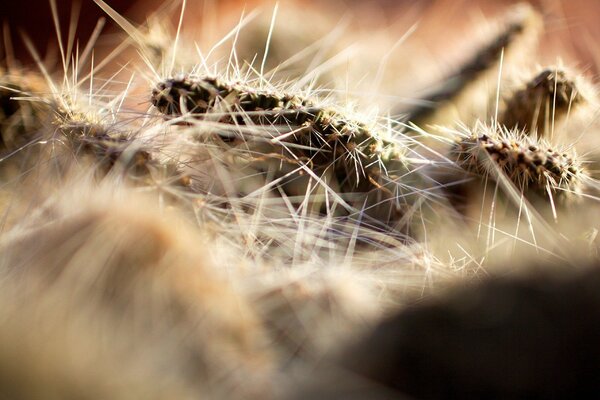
[(572, 25)]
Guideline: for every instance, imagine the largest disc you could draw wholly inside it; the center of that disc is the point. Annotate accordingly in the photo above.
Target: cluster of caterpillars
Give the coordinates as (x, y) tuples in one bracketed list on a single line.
[(369, 163)]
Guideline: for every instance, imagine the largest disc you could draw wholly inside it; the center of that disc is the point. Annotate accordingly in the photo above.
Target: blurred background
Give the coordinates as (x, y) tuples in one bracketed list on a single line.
[(444, 26), (571, 24)]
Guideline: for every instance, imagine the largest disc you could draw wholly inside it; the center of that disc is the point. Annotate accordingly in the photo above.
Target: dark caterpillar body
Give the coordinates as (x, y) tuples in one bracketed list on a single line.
[(532, 167), (321, 138), (549, 96)]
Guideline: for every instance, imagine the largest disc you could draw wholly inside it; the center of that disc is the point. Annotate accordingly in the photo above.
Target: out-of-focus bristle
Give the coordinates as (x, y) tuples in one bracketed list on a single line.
[(543, 102), (60, 347), (148, 272), (311, 314), (522, 25)]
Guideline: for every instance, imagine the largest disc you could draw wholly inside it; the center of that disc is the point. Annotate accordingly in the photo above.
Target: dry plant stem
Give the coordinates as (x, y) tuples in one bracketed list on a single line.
[(544, 100)]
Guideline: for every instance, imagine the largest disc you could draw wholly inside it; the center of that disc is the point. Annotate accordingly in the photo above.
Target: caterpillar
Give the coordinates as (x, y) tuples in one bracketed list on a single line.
[(321, 138)]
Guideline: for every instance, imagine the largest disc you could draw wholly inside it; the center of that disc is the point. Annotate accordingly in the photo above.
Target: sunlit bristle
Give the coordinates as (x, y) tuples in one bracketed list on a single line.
[(322, 141), (530, 164), (294, 48)]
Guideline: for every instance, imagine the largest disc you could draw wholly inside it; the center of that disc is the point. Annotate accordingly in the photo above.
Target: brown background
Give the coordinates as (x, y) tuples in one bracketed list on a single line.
[(573, 25)]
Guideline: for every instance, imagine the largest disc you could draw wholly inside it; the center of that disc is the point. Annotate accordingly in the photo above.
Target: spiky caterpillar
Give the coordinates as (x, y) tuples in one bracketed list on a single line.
[(109, 148), (548, 97), (94, 138), (533, 166), (322, 138), (200, 95), (31, 114), (522, 24)]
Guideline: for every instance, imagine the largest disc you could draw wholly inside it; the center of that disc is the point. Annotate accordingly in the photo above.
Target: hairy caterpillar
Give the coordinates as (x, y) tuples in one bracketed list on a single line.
[(544, 101), (322, 138), (532, 165)]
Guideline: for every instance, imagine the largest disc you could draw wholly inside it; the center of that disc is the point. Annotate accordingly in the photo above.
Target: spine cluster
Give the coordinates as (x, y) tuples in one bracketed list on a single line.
[(239, 103), (531, 165), (322, 138)]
